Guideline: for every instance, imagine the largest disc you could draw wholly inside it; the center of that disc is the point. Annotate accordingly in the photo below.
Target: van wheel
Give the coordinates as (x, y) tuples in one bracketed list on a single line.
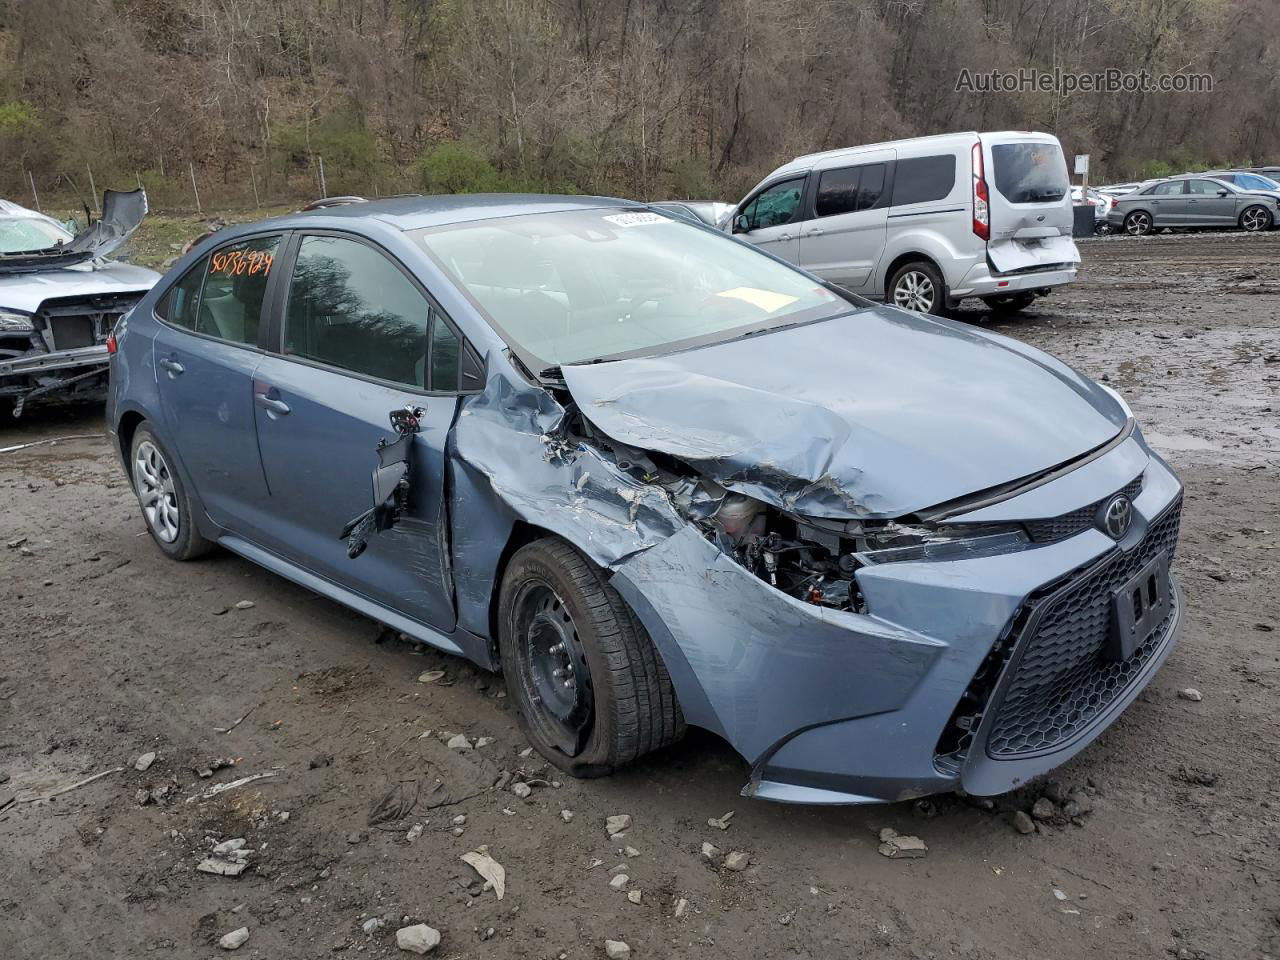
[(1255, 218), (1138, 223), (1010, 302), (165, 505), (918, 286), (591, 691)]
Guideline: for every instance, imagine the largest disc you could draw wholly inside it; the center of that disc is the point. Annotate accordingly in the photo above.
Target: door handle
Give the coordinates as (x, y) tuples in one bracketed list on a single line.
[(812, 233), (274, 407), (172, 366), (784, 236)]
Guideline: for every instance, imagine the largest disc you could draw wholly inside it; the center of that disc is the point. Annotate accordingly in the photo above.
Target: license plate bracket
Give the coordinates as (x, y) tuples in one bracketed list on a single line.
[(1138, 606)]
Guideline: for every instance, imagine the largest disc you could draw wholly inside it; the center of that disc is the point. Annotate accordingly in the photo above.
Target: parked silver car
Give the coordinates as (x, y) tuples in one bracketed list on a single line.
[(1194, 201), (60, 298), (923, 223)]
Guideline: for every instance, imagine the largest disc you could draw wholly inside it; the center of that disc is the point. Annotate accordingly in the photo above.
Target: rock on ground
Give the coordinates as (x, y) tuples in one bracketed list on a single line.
[(617, 823), (616, 949), (235, 939), (418, 938)]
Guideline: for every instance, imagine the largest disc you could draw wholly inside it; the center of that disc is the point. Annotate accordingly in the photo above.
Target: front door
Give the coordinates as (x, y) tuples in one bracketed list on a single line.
[(844, 239), (1206, 208), (770, 219), (206, 351), (356, 336)]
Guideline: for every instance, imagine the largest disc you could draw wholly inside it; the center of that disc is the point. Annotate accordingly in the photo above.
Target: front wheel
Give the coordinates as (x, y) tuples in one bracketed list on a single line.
[(1138, 223), (1255, 219), (918, 287), (165, 505), (591, 691)]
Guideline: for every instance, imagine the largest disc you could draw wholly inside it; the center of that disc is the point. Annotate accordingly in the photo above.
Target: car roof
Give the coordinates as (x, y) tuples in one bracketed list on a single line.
[(418, 211)]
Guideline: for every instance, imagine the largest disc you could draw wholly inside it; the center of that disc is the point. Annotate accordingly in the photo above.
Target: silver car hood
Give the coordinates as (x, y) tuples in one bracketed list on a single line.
[(877, 414), (122, 212), (27, 291)]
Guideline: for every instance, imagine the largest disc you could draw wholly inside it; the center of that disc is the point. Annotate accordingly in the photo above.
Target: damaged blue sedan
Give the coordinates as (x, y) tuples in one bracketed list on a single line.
[(657, 478)]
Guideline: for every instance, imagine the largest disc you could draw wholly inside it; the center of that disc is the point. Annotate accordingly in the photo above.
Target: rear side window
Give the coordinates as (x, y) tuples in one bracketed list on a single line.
[(178, 306), (849, 190), (921, 179), (350, 307), (234, 290), (1167, 189), (1030, 172)]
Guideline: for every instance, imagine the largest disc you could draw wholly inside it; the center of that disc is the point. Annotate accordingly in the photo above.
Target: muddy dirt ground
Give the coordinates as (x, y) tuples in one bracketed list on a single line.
[(109, 651)]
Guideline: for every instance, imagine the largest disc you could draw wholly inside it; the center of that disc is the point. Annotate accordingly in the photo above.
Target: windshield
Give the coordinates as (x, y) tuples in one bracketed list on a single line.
[(23, 234), (1030, 172), (590, 284)]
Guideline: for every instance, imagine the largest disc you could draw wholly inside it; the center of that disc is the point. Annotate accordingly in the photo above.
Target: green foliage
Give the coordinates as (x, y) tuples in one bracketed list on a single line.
[(17, 117), (341, 139), (458, 168)]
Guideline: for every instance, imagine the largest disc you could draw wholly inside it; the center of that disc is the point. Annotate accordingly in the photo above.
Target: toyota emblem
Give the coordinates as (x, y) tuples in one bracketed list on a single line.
[(1116, 516)]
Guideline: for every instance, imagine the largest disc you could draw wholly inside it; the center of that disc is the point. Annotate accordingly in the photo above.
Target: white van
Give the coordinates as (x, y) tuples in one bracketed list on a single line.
[(924, 223)]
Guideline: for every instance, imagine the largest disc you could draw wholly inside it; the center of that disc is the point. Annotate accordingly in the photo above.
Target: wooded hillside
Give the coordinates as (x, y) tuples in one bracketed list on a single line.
[(643, 98)]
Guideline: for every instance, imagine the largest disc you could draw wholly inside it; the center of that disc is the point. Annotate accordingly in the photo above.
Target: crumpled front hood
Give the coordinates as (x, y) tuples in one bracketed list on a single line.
[(26, 291), (878, 414)]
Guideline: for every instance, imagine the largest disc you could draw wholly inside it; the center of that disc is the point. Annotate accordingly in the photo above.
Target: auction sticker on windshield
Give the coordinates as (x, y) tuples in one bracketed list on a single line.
[(636, 219)]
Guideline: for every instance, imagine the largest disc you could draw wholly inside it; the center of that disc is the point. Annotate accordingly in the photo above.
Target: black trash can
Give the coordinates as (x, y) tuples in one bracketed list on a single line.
[(1083, 224)]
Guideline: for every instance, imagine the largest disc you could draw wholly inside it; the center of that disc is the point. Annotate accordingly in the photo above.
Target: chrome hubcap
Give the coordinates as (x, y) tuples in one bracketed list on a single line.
[(154, 483), (914, 292), (1255, 219)]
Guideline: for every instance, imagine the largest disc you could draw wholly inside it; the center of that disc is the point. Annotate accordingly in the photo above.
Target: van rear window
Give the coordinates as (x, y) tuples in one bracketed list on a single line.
[(1030, 172), (920, 179)]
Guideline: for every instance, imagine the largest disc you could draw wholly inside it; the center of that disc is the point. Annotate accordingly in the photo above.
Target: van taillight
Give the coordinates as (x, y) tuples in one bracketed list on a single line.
[(981, 207)]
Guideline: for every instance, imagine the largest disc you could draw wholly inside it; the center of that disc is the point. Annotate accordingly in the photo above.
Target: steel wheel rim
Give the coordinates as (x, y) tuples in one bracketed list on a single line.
[(552, 668), (156, 492), (1139, 223), (914, 291), (1255, 218)]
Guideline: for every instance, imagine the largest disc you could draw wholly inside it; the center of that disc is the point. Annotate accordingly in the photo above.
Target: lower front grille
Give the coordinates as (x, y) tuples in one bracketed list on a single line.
[(1061, 679)]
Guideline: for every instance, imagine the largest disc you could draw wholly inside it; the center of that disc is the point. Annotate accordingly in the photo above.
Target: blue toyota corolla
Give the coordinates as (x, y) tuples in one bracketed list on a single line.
[(659, 478)]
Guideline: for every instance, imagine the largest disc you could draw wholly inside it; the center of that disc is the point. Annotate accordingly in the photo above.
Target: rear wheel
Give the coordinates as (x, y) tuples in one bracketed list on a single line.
[(918, 286), (165, 505), (1255, 218), (1010, 302), (591, 690), (1138, 223)]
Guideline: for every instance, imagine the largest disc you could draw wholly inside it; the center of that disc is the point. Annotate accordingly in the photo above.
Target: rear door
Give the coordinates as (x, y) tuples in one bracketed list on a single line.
[(1168, 203), (207, 348), (843, 239), (772, 218), (360, 338), (1030, 202)]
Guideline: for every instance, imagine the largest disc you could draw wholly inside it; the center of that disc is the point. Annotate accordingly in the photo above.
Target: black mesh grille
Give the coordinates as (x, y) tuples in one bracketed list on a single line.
[(1069, 524), (1061, 680)]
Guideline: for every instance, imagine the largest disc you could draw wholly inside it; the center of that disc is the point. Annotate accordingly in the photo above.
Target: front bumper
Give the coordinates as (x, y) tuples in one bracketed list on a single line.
[(834, 707), (36, 363), (981, 282)]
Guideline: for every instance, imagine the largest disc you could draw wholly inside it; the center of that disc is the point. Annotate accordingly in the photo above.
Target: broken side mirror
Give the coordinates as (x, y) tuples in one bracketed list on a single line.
[(741, 224)]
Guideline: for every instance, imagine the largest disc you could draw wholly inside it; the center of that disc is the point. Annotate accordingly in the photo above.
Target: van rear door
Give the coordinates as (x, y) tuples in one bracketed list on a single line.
[(1030, 202)]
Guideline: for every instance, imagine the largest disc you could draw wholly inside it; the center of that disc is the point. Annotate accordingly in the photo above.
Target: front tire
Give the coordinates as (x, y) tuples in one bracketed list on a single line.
[(918, 287), (1138, 223), (591, 691), (1255, 219), (166, 508)]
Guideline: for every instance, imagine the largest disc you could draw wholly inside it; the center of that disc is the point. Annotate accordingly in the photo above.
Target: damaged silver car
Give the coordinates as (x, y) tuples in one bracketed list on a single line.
[(60, 298), (658, 477)]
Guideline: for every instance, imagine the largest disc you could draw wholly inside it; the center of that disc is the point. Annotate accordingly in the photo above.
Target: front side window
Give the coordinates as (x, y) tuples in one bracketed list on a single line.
[(1204, 188), (923, 179), (849, 190), (350, 307), (1030, 172), (1252, 181), (775, 206), (593, 284)]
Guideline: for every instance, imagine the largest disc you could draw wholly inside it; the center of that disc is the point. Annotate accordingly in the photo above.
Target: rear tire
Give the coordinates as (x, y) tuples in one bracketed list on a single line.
[(591, 691), (166, 508), (1255, 219), (1138, 223), (918, 287), (1009, 303)]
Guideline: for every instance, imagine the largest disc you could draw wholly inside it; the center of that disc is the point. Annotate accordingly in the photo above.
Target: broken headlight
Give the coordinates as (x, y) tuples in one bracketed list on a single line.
[(897, 543), (13, 322)]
